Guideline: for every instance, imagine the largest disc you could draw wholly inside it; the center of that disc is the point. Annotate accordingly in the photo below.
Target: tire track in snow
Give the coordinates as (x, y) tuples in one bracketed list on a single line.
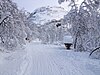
[(47, 60)]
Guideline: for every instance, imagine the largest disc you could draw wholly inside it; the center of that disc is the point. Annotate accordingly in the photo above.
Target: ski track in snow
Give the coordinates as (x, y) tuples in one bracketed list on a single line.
[(53, 60)]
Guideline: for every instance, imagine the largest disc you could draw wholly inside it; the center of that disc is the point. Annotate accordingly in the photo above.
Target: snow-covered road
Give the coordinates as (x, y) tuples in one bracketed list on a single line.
[(55, 60)]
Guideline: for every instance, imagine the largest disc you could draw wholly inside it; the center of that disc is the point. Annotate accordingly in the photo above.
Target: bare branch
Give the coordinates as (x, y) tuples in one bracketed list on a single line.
[(94, 51)]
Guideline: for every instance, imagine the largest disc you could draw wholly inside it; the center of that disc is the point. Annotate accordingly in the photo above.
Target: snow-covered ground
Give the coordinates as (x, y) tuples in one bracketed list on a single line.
[(41, 59), (12, 63), (55, 60)]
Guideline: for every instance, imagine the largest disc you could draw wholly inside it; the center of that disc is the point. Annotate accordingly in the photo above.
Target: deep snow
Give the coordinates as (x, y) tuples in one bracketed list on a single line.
[(11, 62), (56, 60), (41, 59)]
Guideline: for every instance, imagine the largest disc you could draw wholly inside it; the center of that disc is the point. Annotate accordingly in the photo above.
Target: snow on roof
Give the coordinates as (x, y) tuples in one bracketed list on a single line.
[(68, 39)]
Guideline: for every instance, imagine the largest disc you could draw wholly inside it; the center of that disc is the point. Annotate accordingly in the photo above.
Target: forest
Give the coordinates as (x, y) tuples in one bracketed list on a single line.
[(19, 27)]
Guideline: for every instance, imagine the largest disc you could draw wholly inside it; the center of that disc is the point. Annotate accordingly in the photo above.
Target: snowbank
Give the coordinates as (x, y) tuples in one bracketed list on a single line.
[(11, 63), (67, 39)]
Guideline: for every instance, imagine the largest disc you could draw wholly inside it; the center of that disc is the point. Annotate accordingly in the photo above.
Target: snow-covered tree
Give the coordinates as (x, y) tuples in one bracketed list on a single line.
[(85, 24), (50, 32), (12, 25)]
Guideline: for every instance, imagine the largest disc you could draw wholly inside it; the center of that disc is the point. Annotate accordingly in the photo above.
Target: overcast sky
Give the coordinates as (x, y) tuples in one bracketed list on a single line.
[(31, 5)]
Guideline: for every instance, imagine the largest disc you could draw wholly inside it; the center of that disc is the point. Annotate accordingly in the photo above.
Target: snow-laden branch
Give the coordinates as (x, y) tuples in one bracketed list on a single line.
[(3, 19)]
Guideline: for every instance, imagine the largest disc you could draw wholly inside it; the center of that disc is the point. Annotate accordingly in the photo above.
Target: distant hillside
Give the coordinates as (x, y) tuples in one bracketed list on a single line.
[(46, 14)]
